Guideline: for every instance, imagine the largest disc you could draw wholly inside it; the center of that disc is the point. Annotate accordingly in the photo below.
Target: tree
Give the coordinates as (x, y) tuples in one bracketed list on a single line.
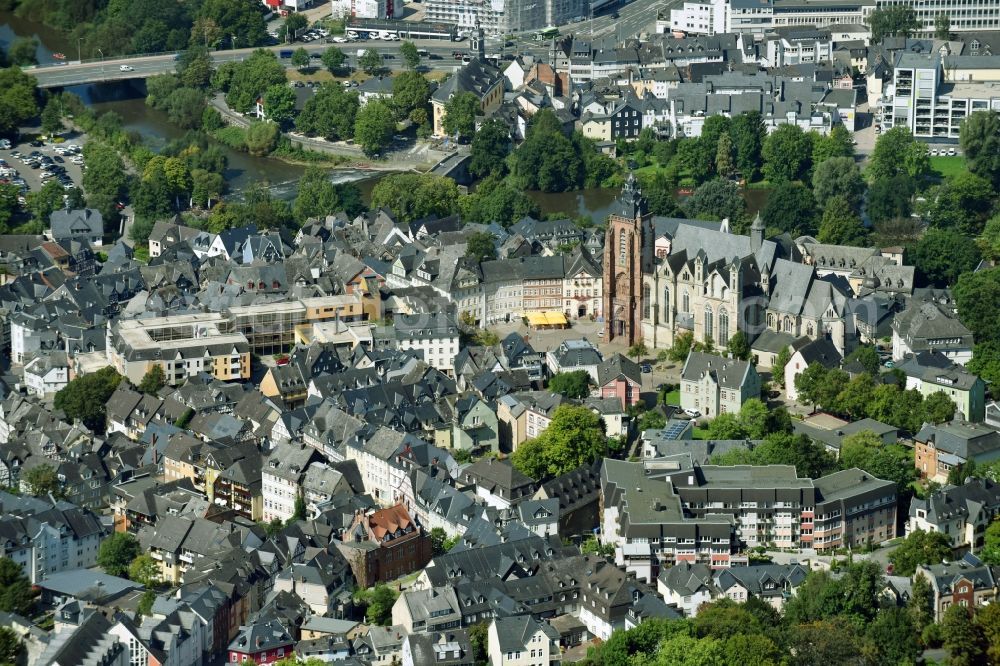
[(991, 544), (378, 601), (942, 26), (725, 426), (787, 152), (300, 59), (754, 419), (23, 52), (195, 68), (51, 117), (144, 569), (146, 601), (153, 380), (294, 22), (683, 342), (986, 363), (370, 62), (748, 133), (333, 59), (898, 153), (546, 160), (979, 137), (892, 635), (48, 200), (989, 240), (574, 437), (490, 147), (15, 589), (18, 99), (279, 103), (838, 143), (652, 420), (897, 20), (331, 113), (42, 480), (781, 359), (317, 196), (479, 639), (978, 298), (920, 607), (716, 200), (185, 107), (497, 200), (988, 622), (962, 638), (865, 450), (841, 225), (938, 407), (724, 162), (792, 208), (867, 357), (889, 200), (460, 115), (117, 552), (808, 383), (105, 179), (942, 255), (262, 138), (244, 82), (963, 203), (85, 397), (244, 18), (574, 384), (410, 91), (11, 646), (919, 548), (374, 126), (415, 196), (481, 246), (411, 57), (838, 177), (438, 538)]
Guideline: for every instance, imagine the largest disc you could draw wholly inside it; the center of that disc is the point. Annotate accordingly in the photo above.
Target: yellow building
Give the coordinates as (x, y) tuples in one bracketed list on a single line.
[(478, 77)]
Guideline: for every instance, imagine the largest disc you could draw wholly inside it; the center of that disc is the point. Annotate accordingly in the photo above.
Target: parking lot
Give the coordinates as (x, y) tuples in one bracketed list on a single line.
[(30, 175)]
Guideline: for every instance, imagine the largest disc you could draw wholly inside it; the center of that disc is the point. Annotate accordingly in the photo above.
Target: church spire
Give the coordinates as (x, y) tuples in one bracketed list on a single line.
[(632, 205), (756, 234)]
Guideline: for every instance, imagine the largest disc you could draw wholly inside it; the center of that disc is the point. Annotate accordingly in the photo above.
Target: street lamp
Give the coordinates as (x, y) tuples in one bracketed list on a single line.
[(102, 62), (79, 49)]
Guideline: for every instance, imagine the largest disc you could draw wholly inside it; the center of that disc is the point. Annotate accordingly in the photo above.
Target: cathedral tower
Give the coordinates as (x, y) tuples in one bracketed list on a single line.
[(628, 253)]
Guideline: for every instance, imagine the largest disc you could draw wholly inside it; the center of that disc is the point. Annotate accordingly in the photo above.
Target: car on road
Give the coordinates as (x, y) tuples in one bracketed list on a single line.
[(340, 40), (646, 368), (614, 15), (126, 68), (5, 144), (692, 412)]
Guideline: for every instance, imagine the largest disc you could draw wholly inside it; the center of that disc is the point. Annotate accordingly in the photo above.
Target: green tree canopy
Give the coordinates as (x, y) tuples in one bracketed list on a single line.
[(891, 462), (300, 59), (15, 589), (963, 203), (460, 115), (11, 646), (279, 103), (414, 196), (791, 207), (490, 147), (748, 134), (411, 57), (262, 138), (153, 380), (979, 137), (330, 113), (244, 82), (841, 225), (897, 153), (889, 199), (334, 59), (942, 255), (574, 384), (547, 159), (42, 480), (374, 126), (481, 246), (85, 397), (144, 569), (575, 437), (716, 200), (893, 21), (410, 90), (378, 602), (117, 552), (371, 62), (919, 548), (787, 153), (978, 298), (838, 177)]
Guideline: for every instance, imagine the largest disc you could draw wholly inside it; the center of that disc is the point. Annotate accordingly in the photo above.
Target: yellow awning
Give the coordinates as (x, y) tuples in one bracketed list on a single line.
[(550, 318)]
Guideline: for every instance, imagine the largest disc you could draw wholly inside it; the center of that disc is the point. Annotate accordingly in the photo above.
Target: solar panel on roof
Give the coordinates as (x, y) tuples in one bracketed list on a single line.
[(675, 430)]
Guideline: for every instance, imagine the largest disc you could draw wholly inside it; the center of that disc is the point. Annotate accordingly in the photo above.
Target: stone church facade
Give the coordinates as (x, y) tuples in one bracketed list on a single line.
[(665, 276)]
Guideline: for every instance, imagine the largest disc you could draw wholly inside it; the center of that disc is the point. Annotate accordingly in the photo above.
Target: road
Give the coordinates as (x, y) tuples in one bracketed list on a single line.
[(634, 18)]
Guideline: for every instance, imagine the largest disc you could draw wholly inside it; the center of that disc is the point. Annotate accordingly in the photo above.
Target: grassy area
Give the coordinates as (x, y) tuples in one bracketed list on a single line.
[(320, 74), (948, 167), (699, 433), (673, 398)]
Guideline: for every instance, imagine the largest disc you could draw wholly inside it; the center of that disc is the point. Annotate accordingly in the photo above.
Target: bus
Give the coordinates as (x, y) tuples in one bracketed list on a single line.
[(550, 32)]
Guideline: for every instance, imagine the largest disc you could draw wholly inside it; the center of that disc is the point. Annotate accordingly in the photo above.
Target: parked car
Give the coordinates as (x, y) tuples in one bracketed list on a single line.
[(646, 367), (693, 413)]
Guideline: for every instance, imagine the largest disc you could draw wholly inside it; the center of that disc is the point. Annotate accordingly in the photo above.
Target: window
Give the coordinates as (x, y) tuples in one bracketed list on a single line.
[(686, 302), (723, 326), (665, 307), (622, 245), (708, 321), (646, 298)]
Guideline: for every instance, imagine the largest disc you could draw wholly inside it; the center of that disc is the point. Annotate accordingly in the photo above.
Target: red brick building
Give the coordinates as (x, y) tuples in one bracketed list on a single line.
[(620, 377), (628, 252), (383, 545)]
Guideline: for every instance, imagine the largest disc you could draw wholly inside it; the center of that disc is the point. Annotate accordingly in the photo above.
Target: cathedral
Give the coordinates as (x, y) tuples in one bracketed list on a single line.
[(664, 276)]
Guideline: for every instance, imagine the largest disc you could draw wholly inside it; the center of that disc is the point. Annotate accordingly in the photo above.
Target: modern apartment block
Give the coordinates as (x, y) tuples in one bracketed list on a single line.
[(504, 16), (182, 345), (657, 513), (964, 15), (757, 17), (931, 94)]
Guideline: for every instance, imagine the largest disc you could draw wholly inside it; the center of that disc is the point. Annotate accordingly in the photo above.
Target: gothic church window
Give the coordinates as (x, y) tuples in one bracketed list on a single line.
[(723, 326), (708, 321), (621, 246)]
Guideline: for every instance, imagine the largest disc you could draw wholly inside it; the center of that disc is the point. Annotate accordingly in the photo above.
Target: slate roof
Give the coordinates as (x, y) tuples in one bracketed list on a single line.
[(962, 439), (974, 501), (79, 223), (516, 633), (728, 372), (618, 366)]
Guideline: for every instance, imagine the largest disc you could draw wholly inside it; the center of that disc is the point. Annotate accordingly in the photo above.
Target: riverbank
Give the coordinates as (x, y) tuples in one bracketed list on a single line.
[(419, 157)]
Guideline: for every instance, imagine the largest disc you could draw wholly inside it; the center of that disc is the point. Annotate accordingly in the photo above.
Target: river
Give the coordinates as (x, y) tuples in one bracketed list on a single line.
[(128, 101)]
